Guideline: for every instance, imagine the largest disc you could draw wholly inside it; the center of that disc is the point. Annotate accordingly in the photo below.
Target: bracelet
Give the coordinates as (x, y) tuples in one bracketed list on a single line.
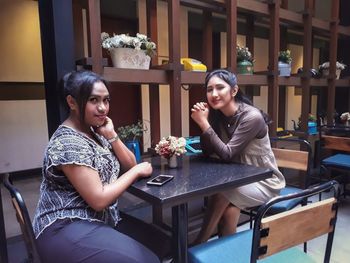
[(115, 138)]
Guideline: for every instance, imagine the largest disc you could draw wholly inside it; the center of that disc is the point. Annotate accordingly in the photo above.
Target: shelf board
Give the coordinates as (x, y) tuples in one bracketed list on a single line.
[(290, 16), (156, 76), (259, 80), (253, 6), (140, 76), (320, 24), (319, 82), (214, 6), (190, 77), (289, 81), (323, 82), (344, 30)]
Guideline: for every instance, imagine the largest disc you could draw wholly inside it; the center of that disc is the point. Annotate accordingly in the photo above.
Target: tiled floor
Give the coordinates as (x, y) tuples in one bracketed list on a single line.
[(30, 189)]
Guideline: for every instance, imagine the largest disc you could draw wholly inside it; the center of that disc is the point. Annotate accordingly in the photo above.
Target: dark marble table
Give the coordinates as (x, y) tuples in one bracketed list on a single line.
[(195, 177)]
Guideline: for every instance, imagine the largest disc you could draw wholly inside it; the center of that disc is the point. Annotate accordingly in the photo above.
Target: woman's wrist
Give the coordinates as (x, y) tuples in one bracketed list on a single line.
[(112, 137), (204, 125)]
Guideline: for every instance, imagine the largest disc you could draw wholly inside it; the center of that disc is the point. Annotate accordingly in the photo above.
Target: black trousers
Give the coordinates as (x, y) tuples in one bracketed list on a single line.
[(69, 240)]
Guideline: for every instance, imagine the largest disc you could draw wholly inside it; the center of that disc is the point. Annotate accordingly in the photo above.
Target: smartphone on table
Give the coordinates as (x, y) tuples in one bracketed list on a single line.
[(160, 179)]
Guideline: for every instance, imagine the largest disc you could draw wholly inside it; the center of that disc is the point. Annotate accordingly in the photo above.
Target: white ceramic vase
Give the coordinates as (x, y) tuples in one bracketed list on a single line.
[(284, 69), (325, 73), (129, 58), (172, 161)]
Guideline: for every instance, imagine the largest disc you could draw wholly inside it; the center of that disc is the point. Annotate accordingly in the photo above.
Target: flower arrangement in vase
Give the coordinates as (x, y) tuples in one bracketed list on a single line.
[(284, 62), (245, 61), (170, 147), (324, 69), (128, 51), (345, 118)]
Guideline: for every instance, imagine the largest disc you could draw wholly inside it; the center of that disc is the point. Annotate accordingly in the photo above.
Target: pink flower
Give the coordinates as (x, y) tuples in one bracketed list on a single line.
[(171, 145)]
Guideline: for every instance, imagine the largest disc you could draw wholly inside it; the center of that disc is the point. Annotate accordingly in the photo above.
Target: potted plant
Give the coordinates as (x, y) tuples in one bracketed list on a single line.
[(127, 51), (324, 69), (130, 135), (284, 62), (245, 61), (311, 124)]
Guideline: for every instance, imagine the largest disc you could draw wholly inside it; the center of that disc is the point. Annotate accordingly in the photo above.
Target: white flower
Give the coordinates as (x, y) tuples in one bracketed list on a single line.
[(170, 146), (339, 65), (345, 116), (243, 54), (142, 37), (140, 42), (104, 35)]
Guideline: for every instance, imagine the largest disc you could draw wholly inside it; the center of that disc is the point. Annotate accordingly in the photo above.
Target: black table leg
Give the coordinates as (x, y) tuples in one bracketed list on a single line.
[(3, 243), (180, 229)]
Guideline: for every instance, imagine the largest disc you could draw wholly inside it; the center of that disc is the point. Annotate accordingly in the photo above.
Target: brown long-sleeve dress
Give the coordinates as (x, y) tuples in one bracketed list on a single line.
[(244, 138)]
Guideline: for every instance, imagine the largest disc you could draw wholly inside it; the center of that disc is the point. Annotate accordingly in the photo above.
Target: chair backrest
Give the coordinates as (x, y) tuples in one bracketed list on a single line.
[(296, 159), (24, 221), (336, 143), (278, 232), (335, 138)]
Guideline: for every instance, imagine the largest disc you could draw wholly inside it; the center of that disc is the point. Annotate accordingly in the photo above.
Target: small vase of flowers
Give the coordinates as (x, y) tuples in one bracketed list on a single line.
[(128, 51), (345, 118), (284, 63), (245, 61), (171, 147), (324, 69)]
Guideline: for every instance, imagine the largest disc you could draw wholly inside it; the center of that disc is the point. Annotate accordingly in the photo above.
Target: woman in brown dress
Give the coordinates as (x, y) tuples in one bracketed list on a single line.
[(234, 131)]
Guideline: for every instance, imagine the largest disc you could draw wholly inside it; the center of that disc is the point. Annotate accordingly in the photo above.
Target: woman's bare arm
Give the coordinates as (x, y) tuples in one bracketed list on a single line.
[(98, 196)]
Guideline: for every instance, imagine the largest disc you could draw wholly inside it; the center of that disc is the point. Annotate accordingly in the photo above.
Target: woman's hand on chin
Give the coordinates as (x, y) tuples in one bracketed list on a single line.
[(107, 129)]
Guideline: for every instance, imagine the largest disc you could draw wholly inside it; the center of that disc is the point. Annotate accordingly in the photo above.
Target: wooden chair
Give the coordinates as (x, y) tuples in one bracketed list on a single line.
[(24, 221), (335, 151), (298, 159), (275, 238)]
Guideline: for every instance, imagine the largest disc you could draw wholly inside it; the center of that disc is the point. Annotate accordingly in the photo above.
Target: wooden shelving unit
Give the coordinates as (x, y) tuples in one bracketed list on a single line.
[(273, 11), (136, 76)]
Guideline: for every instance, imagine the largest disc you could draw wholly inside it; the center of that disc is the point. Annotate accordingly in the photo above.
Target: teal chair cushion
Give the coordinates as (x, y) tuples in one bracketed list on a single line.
[(339, 160), (288, 204), (234, 248), (237, 249)]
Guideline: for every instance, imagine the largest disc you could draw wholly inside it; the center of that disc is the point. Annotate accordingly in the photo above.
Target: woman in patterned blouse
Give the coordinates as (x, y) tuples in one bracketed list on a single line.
[(77, 208)]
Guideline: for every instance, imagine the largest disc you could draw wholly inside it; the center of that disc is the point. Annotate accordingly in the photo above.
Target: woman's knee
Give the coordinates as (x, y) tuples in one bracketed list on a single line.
[(230, 214), (219, 200)]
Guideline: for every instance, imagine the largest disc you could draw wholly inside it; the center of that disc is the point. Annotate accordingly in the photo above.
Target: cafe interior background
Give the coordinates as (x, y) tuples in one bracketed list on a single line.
[(24, 130)]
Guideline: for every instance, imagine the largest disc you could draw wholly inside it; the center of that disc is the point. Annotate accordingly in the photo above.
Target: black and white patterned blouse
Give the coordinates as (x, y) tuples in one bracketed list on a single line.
[(58, 198)]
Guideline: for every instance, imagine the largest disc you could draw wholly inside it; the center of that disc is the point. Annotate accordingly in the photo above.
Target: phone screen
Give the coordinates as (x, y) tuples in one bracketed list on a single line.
[(160, 179)]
